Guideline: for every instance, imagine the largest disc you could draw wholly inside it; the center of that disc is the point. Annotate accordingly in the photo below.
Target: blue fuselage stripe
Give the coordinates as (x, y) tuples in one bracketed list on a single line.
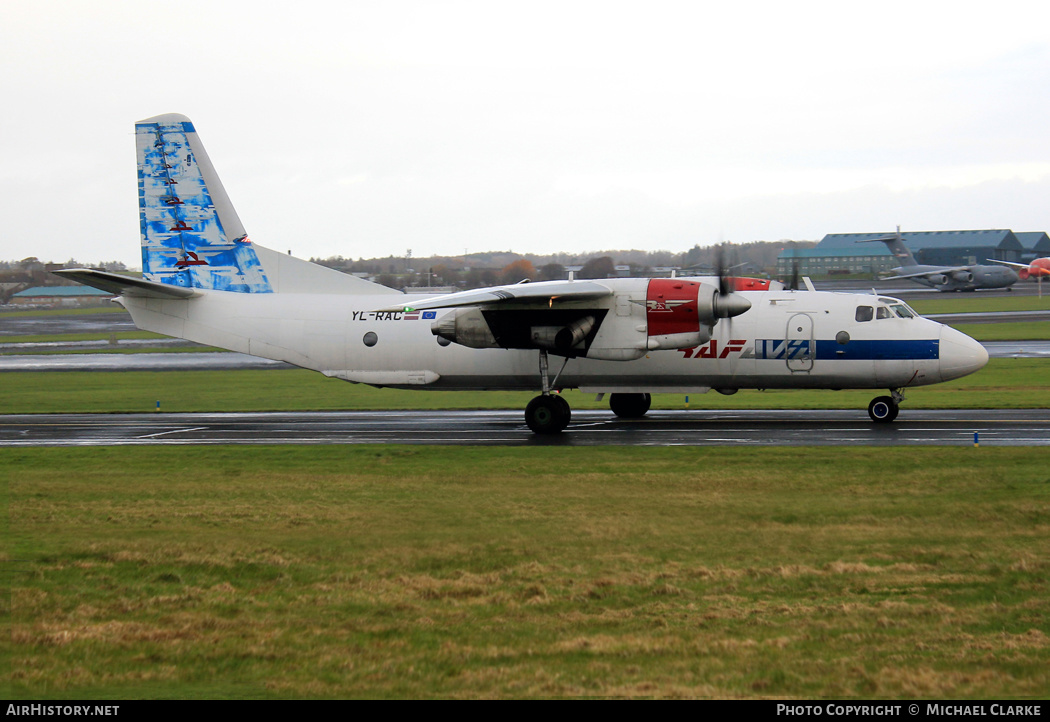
[(890, 350), (853, 350)]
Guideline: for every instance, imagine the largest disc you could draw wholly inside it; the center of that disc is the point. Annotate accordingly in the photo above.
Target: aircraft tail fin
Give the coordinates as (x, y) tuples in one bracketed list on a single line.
[(191, 234), (896, 245)]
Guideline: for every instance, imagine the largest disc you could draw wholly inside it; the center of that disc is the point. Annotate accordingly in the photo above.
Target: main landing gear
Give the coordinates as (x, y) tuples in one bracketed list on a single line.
[(884, 409), (630, 406), (547, 413)]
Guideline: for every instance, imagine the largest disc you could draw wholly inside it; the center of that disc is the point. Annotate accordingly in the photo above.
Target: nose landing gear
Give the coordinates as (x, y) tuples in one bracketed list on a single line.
[(884, 409)]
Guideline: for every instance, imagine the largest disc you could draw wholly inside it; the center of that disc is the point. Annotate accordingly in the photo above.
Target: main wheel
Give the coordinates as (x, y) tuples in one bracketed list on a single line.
[(883, 409), (547, 414), (630, 406)]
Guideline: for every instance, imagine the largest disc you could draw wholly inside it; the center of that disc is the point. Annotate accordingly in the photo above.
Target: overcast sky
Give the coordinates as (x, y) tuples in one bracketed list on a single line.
[(364, 129)]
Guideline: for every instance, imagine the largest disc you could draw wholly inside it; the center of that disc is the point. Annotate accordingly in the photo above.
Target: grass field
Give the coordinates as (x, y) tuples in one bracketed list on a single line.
[(465, 572), (110, 308), (417, 572), (979, 303), (1006, 331), (1004, 383)]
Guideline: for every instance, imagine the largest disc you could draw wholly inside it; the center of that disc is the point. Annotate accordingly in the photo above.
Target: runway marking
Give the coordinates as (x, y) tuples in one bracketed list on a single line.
[(755, 428), (172, 431)]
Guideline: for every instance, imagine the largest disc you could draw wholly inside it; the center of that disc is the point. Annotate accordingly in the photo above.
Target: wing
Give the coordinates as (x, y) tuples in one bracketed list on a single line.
[(516, 294), (1010, 263), (926, 274)]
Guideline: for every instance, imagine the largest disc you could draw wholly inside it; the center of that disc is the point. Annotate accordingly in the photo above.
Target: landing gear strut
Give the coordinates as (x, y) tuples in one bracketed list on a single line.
[(884, 409), (547, 413)]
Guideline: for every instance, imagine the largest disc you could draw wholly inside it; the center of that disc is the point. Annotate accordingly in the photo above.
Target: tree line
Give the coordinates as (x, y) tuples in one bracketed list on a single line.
[(502, 267)]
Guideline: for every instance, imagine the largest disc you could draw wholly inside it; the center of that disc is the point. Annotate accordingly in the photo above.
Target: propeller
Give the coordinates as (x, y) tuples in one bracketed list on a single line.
[(722, 268), (727, 304)]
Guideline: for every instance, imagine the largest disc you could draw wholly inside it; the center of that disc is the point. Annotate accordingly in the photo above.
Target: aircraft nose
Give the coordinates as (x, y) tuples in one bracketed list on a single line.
[(959, 354)]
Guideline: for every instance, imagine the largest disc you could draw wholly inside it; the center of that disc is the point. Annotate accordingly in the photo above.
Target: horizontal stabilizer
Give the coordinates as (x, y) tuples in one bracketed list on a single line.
[(517, 293), (119, 284)]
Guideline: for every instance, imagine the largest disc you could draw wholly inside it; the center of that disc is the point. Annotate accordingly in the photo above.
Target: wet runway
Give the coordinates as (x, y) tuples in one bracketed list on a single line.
[(199, 361), (1013, 427), (73, 323)]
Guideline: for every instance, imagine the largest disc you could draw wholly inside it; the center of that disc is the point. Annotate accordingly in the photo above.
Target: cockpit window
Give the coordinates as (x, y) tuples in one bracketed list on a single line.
[(883, 312), (903, 311), (865, 313)]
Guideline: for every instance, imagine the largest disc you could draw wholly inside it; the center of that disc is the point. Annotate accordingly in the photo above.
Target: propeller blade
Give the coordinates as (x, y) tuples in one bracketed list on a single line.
[(728, 303), (726, 284)]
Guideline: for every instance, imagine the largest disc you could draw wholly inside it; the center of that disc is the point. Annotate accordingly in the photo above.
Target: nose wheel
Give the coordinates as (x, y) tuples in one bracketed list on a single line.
[(883, 409)]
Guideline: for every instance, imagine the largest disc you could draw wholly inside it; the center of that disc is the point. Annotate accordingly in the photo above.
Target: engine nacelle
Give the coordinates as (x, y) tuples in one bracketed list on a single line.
[(964, 276), (680, 314), (467, 327), (562, 338)]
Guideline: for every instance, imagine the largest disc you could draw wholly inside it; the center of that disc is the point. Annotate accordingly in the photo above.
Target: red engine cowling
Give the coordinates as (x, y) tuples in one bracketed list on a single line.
[(678, 313)]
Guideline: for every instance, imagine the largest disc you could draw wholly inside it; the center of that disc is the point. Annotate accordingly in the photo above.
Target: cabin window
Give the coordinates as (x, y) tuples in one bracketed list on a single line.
[(865, 313), (370, 339)]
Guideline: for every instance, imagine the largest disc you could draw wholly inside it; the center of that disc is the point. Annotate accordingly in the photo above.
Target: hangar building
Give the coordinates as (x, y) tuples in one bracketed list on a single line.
[(844, 253)]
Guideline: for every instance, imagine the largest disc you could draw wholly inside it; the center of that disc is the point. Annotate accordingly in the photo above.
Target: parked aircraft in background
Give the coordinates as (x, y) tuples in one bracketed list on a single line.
[(627, 337), (1038, 269), (943, 278)]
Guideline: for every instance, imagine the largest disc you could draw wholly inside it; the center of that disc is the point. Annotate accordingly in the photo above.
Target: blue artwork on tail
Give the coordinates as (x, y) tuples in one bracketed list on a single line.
[(185, 241)]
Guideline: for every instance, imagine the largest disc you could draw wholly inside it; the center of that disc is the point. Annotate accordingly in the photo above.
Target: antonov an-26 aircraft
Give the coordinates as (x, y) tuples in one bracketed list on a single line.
[(204, 280)]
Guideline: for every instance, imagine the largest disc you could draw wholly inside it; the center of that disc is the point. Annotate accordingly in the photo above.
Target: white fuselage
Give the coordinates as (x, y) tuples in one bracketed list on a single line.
[(788, 339)]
